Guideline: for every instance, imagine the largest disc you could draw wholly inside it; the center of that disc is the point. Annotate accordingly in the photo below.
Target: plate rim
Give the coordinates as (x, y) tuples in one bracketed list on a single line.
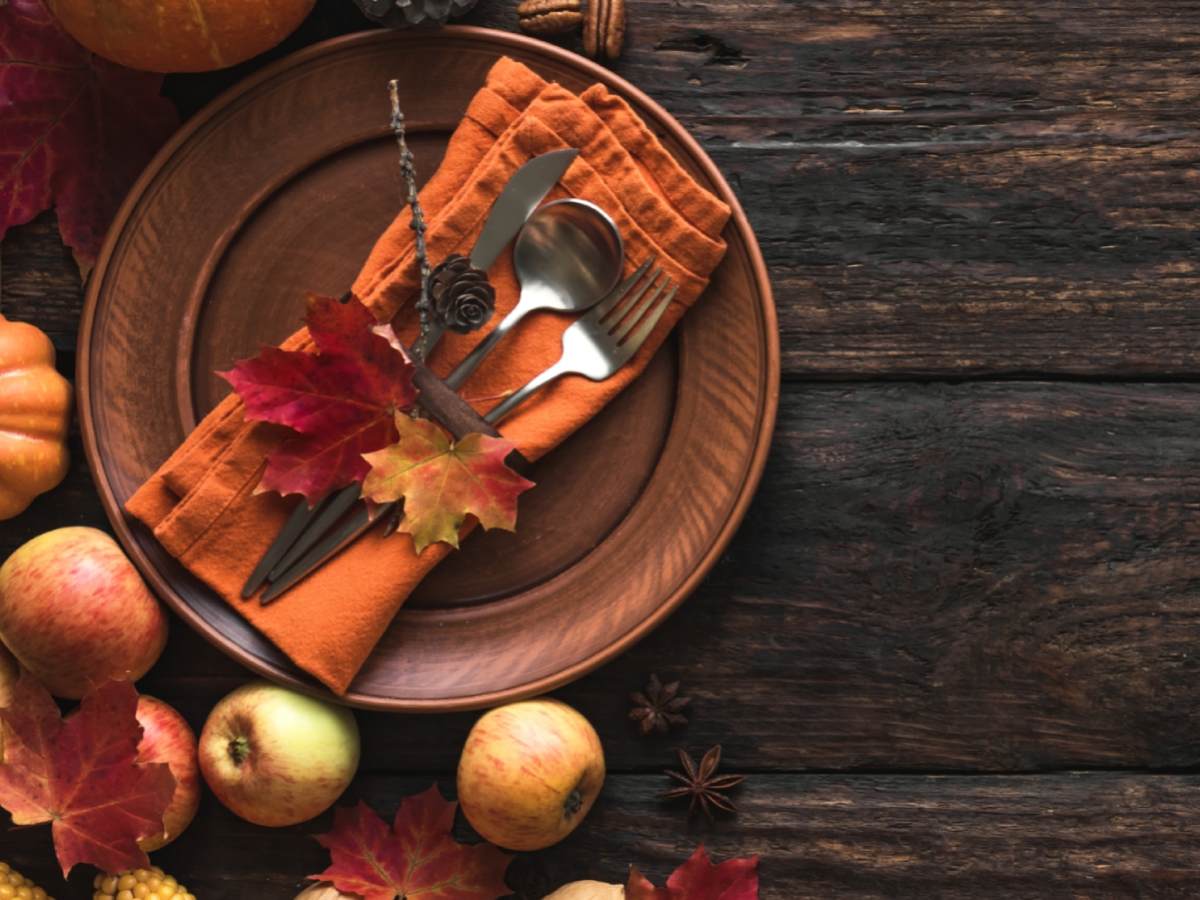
[(746, 490)]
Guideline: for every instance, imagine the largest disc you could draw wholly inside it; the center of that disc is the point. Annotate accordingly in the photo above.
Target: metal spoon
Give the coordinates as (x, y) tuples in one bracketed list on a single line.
[(568, 257)]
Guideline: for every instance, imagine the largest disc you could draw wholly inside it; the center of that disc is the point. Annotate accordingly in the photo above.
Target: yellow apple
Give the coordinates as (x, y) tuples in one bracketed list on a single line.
[(588, 890), (529, 773), (324, 891), (278, 757)]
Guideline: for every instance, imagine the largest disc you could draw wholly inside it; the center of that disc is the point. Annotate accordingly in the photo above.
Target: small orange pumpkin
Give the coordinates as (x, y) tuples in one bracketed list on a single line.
[(35, 410), (179, 35)]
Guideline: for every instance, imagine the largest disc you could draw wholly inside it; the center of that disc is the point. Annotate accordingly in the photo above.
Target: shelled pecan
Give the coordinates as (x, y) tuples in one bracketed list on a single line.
[(603, 22)]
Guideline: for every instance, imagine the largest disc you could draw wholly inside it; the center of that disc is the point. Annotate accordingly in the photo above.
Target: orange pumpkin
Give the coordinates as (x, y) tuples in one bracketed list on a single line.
[(35, 410), (179, 35)]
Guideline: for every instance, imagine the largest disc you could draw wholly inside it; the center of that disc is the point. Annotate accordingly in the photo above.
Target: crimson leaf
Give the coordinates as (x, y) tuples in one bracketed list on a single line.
[(416, 858), (81, 775), (699, 879), (341, 401), (75, 132)]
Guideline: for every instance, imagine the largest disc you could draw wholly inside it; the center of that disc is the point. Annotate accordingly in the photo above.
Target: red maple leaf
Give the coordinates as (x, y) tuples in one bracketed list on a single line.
[(81, 775), (342, 400), (417, 858), (75, 130), (699, 879)]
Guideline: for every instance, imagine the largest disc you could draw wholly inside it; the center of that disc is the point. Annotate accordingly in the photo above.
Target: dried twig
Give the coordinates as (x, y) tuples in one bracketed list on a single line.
[(417, 224)]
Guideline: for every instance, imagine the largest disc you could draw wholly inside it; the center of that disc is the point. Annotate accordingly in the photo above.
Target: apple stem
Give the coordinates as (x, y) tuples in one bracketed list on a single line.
[(239, 749)]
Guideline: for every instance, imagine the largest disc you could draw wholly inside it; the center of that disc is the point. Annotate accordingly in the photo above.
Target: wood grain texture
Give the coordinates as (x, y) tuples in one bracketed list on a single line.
[(953, 188), (981, 577), (939, 188), (39, 282), (821, 837), (977, 578)]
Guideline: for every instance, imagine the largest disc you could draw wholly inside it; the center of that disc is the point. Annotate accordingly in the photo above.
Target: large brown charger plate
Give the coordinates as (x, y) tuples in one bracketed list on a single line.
[(280, 187)]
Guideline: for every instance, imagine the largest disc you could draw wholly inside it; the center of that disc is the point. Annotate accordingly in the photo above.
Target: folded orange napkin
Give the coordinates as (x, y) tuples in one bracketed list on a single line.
[(201, 503)]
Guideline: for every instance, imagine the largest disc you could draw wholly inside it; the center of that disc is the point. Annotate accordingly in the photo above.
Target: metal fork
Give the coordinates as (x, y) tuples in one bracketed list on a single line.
[(595, 345), (606, 337)]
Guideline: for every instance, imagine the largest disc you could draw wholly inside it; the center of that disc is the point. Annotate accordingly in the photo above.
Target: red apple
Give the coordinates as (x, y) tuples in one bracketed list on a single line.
[(76, 614), (529, 773), (167, 738), (277, 757)]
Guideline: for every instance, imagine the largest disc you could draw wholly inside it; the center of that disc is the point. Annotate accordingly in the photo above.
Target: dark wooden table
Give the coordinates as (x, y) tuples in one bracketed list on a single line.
[(955, 644)]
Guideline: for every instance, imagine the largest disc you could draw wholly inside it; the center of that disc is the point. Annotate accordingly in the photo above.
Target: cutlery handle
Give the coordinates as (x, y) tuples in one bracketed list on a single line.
[(458, 416), (536, 383), (464, 369), (451, 410)]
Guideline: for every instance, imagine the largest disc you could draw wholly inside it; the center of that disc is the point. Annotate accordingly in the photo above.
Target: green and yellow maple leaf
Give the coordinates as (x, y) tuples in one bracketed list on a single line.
[(443, 481)]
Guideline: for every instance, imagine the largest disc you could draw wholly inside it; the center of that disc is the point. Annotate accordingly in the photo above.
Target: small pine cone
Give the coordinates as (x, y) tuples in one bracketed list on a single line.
[(549, 17), (403, 13), (463, 298)]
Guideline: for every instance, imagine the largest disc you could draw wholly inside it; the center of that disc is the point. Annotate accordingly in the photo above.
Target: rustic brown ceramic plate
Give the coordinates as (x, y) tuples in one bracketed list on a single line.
[(280, 187)]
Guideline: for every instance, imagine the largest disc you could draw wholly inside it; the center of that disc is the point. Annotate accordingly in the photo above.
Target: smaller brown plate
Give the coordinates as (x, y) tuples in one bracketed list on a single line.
[(274, 190)]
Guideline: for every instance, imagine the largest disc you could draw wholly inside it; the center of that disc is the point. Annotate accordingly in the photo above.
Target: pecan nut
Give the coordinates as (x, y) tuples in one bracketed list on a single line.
[(604, 28), (549, 17)]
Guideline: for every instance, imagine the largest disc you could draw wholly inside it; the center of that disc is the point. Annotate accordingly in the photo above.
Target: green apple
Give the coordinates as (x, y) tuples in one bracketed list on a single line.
[(277, 757)]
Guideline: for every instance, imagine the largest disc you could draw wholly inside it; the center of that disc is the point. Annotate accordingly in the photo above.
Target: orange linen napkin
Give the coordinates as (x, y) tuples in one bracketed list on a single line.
[(201, 504)]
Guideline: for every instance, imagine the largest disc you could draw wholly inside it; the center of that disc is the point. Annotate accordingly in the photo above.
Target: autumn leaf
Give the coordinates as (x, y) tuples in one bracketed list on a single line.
[(81, 775), (416, 858), (442, 482), (341, 400), (75, 129), (699, 879)]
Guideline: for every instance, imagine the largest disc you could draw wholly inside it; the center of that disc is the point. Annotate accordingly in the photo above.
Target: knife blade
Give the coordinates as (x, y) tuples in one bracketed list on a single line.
[(525, 189)]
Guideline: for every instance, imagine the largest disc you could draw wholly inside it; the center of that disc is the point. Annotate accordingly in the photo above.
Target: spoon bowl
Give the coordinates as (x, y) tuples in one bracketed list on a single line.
[(568, 256)]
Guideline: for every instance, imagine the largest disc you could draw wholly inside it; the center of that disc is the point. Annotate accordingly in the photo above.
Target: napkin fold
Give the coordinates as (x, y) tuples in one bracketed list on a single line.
[(201, 503)]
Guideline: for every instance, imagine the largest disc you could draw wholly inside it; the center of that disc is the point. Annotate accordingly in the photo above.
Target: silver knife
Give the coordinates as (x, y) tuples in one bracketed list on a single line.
[(527, 188), (299, 548)]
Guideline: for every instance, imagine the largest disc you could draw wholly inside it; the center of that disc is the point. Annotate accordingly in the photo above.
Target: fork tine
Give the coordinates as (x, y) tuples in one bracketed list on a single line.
[(622, 328), (605, 306), (651, 319), (630, 302)]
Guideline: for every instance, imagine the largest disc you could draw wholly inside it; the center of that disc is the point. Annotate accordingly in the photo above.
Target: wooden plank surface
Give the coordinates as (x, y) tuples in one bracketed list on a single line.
[(939, 187), (875, 837), (955, 188), (985, 576), (948, 596), (990, 577)]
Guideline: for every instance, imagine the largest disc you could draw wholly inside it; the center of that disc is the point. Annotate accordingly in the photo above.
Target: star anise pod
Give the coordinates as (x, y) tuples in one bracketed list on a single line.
[(658, 707), (703, 784)]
